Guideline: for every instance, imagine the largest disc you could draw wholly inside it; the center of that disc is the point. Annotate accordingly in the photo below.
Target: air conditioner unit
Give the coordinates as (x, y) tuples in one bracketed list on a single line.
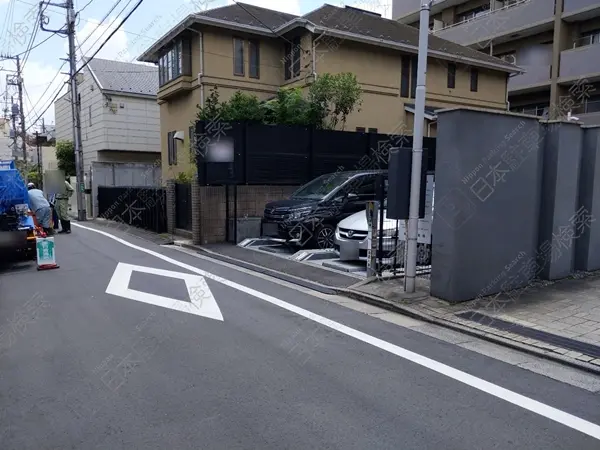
[(511, 59), (437, 25)]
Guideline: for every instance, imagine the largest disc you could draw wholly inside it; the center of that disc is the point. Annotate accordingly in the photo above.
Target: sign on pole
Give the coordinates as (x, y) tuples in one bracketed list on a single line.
[(46, 258), (372, 221)]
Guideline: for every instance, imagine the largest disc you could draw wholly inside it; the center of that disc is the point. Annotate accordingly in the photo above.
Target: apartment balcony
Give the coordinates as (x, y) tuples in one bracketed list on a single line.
[(522, 18), (580, 10), (580, 62), (534, 76), (588, 113)]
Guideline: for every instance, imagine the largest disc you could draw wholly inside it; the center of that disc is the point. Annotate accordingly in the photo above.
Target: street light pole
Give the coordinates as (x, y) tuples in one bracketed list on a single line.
[(417, 151)]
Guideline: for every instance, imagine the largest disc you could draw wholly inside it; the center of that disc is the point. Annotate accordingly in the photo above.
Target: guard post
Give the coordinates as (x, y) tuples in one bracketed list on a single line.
[(372, 221)]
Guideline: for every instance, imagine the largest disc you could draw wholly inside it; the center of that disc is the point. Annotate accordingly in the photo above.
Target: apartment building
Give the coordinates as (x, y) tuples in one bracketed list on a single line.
[(555, 42), (259, 51)]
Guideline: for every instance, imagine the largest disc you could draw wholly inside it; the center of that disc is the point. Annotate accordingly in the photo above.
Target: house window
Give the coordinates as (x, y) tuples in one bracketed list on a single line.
[(238, 57), (254, 58), (414, 62), (474, 80), (293, 53), (175, 62), (405, 76), (451, 75), (360, 129), (373, 130), (171, 148)]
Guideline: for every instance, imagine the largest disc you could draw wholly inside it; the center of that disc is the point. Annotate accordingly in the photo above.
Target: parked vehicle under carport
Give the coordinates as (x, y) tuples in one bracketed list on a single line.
[(309, 217)]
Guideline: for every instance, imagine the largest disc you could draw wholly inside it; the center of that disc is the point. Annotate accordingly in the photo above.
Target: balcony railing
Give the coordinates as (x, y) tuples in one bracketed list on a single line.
[(497, 22), (580, 61), (586, 40), (587, 107), (539, 111), (571, 6)]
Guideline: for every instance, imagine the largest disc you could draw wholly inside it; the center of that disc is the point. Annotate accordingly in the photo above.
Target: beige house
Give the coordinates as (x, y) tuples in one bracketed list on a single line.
[(258, 51)]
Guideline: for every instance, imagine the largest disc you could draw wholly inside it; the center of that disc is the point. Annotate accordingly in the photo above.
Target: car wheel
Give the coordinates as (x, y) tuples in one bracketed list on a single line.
[(324, 237)]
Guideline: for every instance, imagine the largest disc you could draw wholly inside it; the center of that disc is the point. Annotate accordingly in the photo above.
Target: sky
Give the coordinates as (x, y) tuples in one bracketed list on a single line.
[(43, 65)]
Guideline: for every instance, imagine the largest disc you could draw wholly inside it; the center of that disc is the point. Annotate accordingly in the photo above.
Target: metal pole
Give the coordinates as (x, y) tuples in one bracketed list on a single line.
[(75, 107), (22, 112), (417, 151), (14, 125)]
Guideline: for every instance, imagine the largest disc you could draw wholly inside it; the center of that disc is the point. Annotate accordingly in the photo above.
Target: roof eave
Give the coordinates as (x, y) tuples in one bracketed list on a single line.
[(129, 94), (150, 55), (89, 68), (414, 49)]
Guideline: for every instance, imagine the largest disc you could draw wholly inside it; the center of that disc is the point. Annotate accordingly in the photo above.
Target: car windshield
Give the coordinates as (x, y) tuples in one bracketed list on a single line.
[(320, 187)]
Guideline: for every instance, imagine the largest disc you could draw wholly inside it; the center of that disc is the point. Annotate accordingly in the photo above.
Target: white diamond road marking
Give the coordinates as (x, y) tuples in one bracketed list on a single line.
[(542, 409), (202, 302)]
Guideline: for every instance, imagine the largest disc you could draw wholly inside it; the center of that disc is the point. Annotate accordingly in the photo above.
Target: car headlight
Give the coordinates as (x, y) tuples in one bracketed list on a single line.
[(300, 213)]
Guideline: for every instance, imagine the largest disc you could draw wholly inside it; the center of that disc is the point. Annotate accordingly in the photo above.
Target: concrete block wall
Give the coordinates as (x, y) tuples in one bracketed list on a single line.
[(558, 200), (487, 183), (251, 201), (587, 245), (516, 199)]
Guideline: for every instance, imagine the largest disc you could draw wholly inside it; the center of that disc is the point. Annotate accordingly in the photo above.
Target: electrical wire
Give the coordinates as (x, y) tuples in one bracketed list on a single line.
[(102, 21), (32, 40), (85, 6), (87, 61), (58, 92)]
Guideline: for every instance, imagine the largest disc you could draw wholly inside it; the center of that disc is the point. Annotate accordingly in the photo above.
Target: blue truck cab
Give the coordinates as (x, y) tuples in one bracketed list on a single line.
[(17, 228)]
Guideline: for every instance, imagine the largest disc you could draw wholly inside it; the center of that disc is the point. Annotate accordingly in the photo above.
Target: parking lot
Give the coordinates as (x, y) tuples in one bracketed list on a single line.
[(325, 259)]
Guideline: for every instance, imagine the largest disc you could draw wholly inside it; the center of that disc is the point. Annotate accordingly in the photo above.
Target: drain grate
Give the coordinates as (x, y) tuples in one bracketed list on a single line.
[(532, 333)]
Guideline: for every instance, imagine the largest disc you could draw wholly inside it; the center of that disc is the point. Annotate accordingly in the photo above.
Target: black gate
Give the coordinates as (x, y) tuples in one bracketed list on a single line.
[(183, 206), (392, 236), (140, 207)]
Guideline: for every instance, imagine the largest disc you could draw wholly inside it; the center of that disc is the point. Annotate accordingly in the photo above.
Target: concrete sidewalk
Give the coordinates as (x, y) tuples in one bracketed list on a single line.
[(558, 320)]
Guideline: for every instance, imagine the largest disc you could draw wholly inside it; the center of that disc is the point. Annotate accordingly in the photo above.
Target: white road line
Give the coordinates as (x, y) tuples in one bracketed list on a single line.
[(527, 403)]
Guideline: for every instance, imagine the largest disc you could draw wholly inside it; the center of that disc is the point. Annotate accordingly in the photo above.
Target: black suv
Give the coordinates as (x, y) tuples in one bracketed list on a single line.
[(310, 215)]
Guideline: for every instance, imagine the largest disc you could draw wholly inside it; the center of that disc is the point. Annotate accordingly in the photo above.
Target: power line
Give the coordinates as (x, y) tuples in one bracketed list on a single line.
[(85, 6), (137, 5), (47, 107)]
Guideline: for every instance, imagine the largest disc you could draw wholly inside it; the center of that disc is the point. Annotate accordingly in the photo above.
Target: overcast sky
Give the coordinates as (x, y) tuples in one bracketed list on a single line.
[(149, 22)]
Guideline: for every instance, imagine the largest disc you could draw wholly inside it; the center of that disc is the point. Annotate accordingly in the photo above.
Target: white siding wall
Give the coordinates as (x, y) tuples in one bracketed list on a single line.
[(133, 125), (63, 119), (93, 132)]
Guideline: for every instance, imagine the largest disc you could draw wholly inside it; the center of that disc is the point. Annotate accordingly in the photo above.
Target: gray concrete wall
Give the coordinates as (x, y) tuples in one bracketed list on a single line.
[(560, 187), (485, 227), (587, 244), (122, 174)]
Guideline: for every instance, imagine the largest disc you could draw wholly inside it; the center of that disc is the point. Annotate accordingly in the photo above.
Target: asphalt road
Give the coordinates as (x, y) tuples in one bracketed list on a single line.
[(83, 369)]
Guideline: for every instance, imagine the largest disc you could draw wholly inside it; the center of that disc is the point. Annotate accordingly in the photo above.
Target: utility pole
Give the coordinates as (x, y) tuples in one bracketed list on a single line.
[(21, 111), (69, 31), (14, 125), (417, 151), (17, 80)]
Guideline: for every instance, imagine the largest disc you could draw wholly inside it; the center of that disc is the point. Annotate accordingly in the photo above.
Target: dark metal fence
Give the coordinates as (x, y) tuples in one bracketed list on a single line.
[(392, 237), (141, 207), (291, 155), (183, 206)]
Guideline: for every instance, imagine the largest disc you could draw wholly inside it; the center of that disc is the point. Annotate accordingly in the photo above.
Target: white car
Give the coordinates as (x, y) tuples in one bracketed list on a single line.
[(351, 234), (352, 244)]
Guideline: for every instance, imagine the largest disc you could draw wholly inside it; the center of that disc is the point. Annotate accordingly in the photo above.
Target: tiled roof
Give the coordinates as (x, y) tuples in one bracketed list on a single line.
[(351, 20), (245, 14), (128, 78)]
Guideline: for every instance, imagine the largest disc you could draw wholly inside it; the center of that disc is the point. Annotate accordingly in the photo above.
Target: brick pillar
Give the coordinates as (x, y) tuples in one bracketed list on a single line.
[(171, 205), (196, 212)]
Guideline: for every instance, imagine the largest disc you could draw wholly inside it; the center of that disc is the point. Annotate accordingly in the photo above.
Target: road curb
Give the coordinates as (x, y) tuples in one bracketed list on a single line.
[(401, 309), (415, 314)]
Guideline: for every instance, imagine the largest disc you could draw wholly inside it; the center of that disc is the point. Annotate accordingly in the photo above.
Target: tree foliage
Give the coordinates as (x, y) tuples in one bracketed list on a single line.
[(65, 155), (327, 105)]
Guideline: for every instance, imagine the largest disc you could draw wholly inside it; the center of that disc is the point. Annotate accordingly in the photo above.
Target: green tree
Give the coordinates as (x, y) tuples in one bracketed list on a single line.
[(241, 107), (212, 106), (332, 98), (288, 108), (65, 155)]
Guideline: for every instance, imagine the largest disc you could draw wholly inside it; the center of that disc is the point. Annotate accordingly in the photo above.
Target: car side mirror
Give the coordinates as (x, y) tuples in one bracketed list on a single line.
[(352, 196)]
